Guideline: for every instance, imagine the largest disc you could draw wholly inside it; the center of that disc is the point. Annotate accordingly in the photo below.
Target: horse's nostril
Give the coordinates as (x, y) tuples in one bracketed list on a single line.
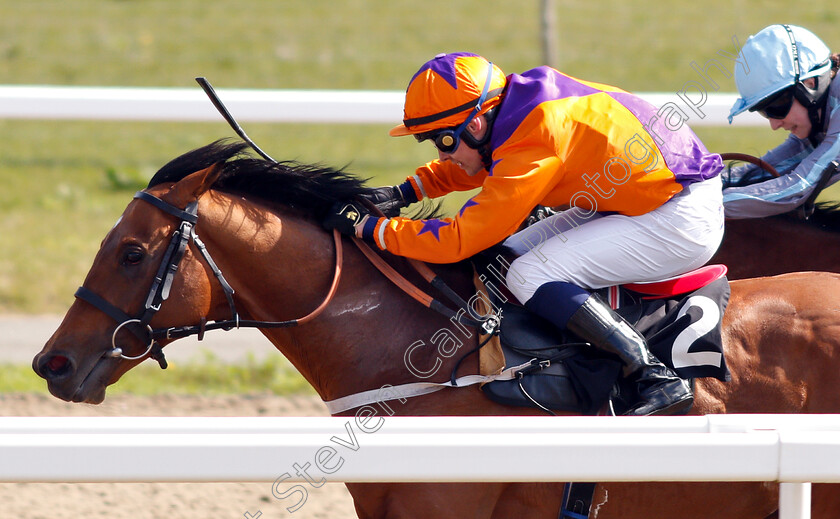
[(55, 366), (57, 363)]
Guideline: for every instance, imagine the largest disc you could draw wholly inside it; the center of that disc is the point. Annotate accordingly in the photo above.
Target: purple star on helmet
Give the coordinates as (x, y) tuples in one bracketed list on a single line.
[(433, 226), (469, 203), (444, 66)]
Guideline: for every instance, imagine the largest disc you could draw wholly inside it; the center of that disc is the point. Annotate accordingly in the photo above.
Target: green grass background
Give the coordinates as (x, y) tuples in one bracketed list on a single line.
[(203, 375), (64, 183)]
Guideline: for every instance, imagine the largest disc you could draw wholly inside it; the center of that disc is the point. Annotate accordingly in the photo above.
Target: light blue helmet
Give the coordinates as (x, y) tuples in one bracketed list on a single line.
[(776, 58)]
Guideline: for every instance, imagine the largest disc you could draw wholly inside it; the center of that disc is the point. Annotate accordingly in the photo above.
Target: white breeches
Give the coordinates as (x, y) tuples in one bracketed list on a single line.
[(595, 251)]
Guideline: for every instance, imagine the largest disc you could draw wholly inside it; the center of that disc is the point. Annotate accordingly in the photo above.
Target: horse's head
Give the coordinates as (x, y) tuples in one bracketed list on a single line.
[(108, 329), (150, 284)]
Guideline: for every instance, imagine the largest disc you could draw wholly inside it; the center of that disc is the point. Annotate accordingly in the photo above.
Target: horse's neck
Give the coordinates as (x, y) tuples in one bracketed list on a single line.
[(763, 246), (281, 268)]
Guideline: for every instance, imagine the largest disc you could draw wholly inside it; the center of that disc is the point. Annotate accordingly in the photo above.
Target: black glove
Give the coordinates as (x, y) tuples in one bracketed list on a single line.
[(389, 199), (344, 216)]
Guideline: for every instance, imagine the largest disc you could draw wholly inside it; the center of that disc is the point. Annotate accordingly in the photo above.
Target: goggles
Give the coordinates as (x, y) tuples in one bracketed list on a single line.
[(776, 106), (448, 139)]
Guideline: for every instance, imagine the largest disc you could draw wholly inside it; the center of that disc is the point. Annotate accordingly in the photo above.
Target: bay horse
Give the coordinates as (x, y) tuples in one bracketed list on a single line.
[(791, 242), (261, 221), (774, 245)]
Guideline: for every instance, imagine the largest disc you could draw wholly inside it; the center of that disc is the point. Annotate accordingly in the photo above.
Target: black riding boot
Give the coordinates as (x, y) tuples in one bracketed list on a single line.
[(661, 391)]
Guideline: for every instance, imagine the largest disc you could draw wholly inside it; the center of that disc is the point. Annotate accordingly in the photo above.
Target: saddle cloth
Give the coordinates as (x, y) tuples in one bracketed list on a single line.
[(682, 330)]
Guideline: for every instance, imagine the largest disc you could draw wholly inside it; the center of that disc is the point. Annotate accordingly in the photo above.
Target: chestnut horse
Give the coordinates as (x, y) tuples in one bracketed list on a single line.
[(260, 222)]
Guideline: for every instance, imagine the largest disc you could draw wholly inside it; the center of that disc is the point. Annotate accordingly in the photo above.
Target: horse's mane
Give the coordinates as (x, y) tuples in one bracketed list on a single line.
[(826, 216), (307, 187)]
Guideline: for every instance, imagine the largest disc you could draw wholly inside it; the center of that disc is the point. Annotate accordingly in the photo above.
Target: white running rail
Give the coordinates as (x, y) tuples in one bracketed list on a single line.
[(794, 450), (315, 106)]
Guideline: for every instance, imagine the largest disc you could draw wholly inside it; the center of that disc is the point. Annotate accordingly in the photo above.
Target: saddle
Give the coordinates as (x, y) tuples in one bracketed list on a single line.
[(679, 317)]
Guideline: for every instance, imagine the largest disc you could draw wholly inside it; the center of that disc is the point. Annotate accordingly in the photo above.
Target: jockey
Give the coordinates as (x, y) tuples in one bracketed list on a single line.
[(789, 81), (639, 207)]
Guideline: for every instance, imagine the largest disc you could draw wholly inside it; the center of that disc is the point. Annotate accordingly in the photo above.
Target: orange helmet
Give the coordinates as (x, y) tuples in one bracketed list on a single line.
[(446, 89)]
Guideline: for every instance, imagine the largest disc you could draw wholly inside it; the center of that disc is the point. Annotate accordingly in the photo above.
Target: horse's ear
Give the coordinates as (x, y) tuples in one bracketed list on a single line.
[(196, 184)]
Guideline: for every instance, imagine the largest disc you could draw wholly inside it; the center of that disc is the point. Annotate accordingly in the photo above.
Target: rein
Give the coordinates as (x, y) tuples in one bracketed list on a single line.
[(488, 324), (162, 284), (752, 160)]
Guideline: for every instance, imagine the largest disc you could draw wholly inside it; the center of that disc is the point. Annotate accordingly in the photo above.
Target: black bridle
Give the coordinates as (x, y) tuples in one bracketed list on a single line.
[(162, 284)]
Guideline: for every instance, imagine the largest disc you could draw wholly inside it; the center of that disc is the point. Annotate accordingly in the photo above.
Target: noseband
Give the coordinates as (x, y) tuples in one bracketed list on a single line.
[(162, 284)]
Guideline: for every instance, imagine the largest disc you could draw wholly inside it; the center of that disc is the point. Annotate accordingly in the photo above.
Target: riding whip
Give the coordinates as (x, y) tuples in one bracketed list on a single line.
[(214, 98)]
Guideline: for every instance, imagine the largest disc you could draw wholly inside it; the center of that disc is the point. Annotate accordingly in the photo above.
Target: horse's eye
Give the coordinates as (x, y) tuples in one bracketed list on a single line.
[(132, 256)]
